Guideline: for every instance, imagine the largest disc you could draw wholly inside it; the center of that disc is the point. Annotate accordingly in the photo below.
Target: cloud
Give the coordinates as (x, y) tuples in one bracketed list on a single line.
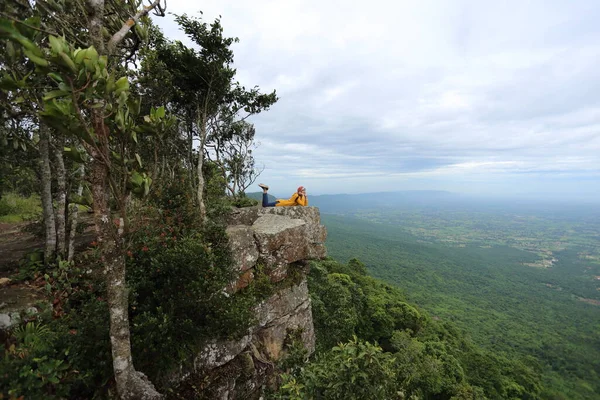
[(404, 94)]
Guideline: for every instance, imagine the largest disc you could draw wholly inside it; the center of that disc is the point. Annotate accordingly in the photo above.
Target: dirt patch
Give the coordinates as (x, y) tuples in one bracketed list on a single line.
[(589, 301), (15, 243), (19, 297)]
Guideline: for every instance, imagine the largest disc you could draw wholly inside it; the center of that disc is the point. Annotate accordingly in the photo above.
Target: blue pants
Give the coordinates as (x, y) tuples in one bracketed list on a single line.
[(266, 201)]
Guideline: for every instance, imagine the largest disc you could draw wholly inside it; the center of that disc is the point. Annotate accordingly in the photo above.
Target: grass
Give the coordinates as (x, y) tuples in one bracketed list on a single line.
[(15, 208)]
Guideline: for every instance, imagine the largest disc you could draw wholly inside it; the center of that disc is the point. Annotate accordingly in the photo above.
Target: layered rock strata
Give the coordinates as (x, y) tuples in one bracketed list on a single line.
[(277, 242)]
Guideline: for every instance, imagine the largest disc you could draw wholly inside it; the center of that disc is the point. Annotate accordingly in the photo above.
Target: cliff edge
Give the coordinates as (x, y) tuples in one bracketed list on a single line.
[(274, 243)]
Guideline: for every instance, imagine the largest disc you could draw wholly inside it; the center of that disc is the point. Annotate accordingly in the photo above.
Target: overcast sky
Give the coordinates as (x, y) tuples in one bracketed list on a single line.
[(489, 97)]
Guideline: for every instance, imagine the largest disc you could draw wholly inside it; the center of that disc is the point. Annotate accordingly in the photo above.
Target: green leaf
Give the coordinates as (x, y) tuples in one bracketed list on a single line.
[(56, 77), (74, 154), (79, 55), (160, 112), (135, 105), (139, 160), (7, 28), (146, 186), (120, 119), (67, 62), (54, 94), (10, 49), (28, 44), (92, 54), (56, 44), (122, 100), (136, 178), (38, 60), (7, 83), (110, 83), (116, 156), (102, 62), (121, 85)]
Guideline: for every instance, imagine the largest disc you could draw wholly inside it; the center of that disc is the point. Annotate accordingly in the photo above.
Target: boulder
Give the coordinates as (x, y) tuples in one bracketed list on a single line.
[(315, 234), (243, 216), (17, 301), (243, 247), (280, 240), (219, 352)]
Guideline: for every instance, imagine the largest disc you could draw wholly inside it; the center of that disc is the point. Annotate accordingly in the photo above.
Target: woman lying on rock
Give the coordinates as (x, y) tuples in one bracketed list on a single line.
[(298, 199)]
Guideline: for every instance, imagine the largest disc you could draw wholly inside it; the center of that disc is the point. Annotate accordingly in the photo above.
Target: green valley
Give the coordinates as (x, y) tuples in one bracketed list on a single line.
[(519, 281)]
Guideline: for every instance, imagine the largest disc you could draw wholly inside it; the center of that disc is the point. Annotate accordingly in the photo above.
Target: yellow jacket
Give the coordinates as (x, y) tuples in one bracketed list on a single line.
[(295, 200)]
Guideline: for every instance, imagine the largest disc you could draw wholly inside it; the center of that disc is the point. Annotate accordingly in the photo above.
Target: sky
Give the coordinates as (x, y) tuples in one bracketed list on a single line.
[(496, 98)]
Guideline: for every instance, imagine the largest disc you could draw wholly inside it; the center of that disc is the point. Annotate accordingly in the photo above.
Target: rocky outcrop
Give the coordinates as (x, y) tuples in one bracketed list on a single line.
[(277, 242), (282, 236)]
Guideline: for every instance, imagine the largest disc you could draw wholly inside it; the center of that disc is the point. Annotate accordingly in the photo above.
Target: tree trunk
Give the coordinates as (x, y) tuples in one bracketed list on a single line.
[(74, 213), (200, 188), (131, 384), (61, 200), (190, 163), (47, 209)]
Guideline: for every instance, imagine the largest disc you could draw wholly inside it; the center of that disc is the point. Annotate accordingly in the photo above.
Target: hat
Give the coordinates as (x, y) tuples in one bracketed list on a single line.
[(300, 188)]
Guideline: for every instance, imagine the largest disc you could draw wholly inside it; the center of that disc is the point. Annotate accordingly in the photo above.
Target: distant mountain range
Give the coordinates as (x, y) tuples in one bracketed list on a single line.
[(436, 200), (339, 203)]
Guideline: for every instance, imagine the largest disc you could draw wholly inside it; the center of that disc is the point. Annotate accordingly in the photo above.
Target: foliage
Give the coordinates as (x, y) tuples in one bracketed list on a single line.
[(243, 201), (31, 367), (295, 352), (427, 359), (347, 302), (16, 174), (177, 273), (353, 370), (31, 266), (64, 357), (85, 99), (15, 207), (67, 351), (488, 290)]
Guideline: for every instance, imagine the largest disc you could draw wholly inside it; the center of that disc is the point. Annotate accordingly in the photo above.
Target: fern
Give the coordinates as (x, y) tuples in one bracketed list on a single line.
[(33, 336)]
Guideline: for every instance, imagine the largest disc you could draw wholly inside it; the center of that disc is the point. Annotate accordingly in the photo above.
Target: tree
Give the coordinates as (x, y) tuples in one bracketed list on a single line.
[(353, 370), (20, 104), (230, 147), (93, 106), (206, 96)]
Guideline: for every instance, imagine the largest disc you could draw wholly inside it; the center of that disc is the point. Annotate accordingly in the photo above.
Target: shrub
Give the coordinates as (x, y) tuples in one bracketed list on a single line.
[(244, 201), (352, 370), (32, 367), (14, 208), (177, 278)]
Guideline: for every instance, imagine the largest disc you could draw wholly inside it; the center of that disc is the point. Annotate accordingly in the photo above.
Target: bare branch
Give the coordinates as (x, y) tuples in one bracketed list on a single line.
[(120, 35)]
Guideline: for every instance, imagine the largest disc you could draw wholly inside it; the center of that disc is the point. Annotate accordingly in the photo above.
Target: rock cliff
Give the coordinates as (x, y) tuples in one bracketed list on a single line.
[(276, 243)]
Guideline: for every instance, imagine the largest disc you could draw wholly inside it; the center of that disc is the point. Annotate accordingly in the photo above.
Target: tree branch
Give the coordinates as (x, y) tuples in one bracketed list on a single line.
[(18, 21), (120, 35)]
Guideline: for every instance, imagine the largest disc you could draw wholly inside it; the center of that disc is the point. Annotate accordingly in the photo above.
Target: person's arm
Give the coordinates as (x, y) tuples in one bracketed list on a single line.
[(303, 200)]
